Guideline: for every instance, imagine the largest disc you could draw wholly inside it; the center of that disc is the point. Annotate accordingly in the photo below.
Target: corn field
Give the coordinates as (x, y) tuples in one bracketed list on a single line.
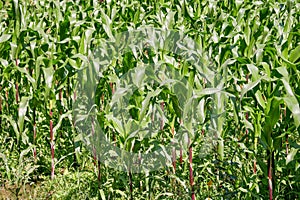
[(177, 99)]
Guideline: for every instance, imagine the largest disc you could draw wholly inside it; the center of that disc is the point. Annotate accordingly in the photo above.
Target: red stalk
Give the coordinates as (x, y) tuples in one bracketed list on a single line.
[(34, 141), (162, 105), (60, 99), (180, 158), (93, 134), (270, 178), (130, 184), (246, 132), (173, 152), (99, 174), (286, 136), (74, 122), (17, 86), (60, 94), (96, 161), (286, 144), (52, 161), (52, 146), (17, 92), (34, 135), (112, 92), (112, 87), (75, 96), (0, 112), (6, 96), (191, 169)]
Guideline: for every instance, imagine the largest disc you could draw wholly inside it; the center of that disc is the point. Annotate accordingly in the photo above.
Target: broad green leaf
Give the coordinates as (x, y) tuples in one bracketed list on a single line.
[(274, 113), (22, 112), (295, 54), (207, 91), (291, 155), (6, 165), (293, 106), (58, 125), (4, 37), (102, 194), (138, 76), (4, 62), (145, 103), (117, 124), (283, 71), (48, 74), (259, 98), (23, 153), (24, 71), (14, 124), (249, 87), (253, 71), (201, 111)]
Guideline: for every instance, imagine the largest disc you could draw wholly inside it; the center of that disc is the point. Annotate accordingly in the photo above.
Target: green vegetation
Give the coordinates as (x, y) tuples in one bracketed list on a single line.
[(254, 47)]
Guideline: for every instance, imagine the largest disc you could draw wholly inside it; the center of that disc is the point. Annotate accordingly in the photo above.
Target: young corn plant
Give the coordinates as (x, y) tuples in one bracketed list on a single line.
[(43, 44)]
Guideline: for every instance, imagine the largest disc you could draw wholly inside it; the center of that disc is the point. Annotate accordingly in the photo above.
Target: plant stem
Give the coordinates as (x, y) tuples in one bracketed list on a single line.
[(286, 136), (34, 135), (34, 141), (111, 85), (96, 160), (99, 174), (191, 169), (130, 184), (112, 88), (52, 145), (0, 112), (60, 99), (270, 173), (17, 92), (93, 147), (246, 132), (6, 96), (75, 161), (173, 150), (180, 158), (162, 105), (247, 116)]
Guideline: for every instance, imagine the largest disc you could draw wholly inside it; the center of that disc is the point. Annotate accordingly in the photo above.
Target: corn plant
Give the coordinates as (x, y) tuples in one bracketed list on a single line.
[(236, 107)]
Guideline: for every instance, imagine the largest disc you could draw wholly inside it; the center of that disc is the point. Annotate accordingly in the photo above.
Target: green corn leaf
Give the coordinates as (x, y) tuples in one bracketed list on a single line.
[(291, 155), (263, 166), (22, 112), (253, 71), (102, 194), (293, 106), (6, 165), (4, 38), (260, 100), (14, 124), (249, 87), (295, 54), (58, 125), (274, 113), (146, 101), (48, 75)]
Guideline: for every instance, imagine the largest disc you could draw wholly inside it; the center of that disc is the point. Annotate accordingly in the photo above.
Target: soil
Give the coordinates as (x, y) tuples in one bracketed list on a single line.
[(13, 192)]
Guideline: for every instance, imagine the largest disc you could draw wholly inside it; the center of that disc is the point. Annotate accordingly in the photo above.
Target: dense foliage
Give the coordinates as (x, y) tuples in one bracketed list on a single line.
[(254, 47)]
